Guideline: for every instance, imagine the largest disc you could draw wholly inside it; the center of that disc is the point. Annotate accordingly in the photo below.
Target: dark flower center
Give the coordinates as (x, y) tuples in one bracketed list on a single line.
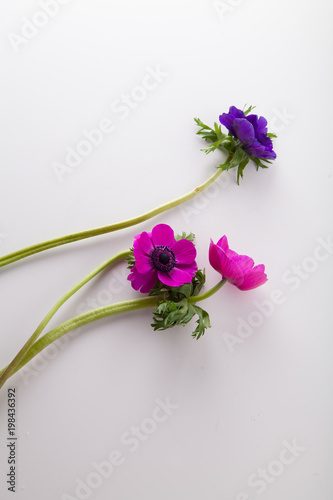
[(163, 258)]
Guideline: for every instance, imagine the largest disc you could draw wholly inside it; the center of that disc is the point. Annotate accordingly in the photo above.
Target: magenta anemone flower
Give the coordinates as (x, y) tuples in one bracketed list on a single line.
[(237, 269), (158, 256)]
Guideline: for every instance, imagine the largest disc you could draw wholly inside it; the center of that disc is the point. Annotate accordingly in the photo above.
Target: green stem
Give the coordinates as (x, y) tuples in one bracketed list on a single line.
[(101, 312), (70, 238), (209, 293), (11, 368), (83, 319)]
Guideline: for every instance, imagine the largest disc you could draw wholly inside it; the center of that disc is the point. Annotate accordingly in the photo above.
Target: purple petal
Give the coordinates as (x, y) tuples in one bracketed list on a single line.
[(227, 120), (237, 113), (255, 149), (163, 235), (262, 125), (244, 130), (184, 251), (265, 141), (253, 119), (269, 155)]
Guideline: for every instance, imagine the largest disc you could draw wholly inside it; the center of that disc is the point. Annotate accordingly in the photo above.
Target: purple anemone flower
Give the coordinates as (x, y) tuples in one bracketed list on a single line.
[(237, 269), (158, 256), (251, 130)]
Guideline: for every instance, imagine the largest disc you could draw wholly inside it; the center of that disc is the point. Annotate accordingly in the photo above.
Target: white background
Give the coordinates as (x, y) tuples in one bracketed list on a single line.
[(237, 406)]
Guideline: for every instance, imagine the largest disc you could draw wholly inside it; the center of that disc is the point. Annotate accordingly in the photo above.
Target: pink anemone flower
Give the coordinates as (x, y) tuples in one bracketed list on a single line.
[(158, 256), (237, 269)]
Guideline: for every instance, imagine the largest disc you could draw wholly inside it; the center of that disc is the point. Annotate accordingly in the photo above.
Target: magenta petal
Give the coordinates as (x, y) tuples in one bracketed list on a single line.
[(145, 243), (244, 262), (175, 277), (237, 269), (225, 266), (184, 251), (143, 263), (214, 257), (254, 278), (163, 235), (180, 275), (223, 243), (145, 281), (189, 268)]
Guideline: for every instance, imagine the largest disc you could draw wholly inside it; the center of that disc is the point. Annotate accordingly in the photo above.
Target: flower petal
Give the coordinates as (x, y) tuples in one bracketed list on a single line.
[(269, 155), (254, 278), (227, 120), (244, 262), (145, 281), (223, 243), (143, 262), (244, 131), (262, 126), (254, 120), (255, 149), (175, 277), (146, 243), (163, 235), (227, 267), (184, 251), (214, 257), (189, 268), (237, 113)]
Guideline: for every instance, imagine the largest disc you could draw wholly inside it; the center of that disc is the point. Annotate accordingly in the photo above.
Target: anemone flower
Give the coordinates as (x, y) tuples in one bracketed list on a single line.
[(251, 130), (158, 256), (237, 269)]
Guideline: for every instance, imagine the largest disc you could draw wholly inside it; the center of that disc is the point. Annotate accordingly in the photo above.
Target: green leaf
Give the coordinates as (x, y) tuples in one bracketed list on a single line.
[(184, 236), (200, 123), (218, 131), (131, 260), (186, 290), (203, 322), (198, 281), (271, 135), (238, 157), (227, 143), (259, 162), (205, 131), (241, 167), (248, 110), (175, 309), (176, 294), (168, 314), (212, 146)]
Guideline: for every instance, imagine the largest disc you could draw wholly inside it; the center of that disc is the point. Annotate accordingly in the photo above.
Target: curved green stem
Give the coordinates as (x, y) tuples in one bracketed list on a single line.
[(209, 293), (70, 238), (83, 319), (11, 368), (101, 312)]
